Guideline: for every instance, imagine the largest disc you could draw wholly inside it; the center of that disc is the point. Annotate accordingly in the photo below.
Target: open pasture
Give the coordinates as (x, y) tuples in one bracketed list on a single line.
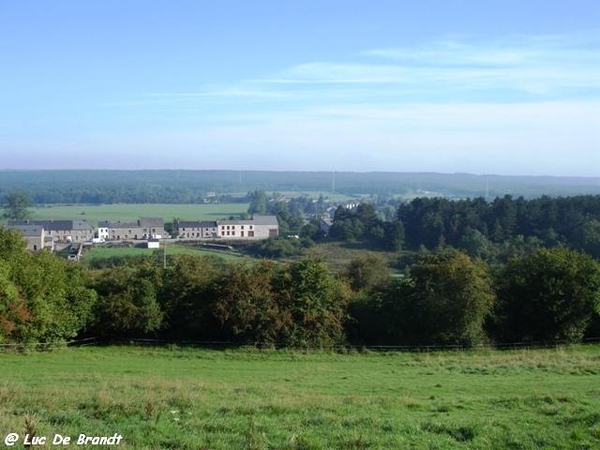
[(95, 213), (102, 252), (159, 398)]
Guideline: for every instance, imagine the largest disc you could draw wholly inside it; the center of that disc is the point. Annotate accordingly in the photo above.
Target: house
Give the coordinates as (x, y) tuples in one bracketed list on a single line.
[(103, 231), (153, 227), (121, 230), (259, 227), (34, 235), (143, 228), (196, 229), (62, 230)]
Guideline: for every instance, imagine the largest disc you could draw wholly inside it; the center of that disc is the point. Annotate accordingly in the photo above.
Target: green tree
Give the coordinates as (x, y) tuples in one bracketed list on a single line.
[(587, 237), (127, 300), (316, 301), (367, 272), (258, 203), (394, 235), (16, 204), (14, 313), (187, 296), (42, 298), (548, 295), (445, 300), (247, 306)]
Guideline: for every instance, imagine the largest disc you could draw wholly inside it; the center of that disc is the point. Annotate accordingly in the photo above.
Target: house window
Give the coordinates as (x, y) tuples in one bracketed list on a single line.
[(222, 233)]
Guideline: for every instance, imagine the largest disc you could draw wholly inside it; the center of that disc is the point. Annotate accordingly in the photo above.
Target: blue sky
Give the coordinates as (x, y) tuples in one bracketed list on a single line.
[(504, 87)]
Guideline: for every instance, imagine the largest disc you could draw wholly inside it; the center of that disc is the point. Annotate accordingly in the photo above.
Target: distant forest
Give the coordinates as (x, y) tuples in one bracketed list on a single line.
[(184, 186)]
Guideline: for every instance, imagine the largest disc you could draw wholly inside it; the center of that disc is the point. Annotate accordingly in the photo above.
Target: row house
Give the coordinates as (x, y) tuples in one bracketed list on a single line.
[(257, 228), (142, 229), (61, 230), (34, 235), (196, 229)]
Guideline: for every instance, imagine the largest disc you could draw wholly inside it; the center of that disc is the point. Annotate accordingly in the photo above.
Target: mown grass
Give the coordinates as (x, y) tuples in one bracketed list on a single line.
[(103, 252), (251, 399), (95, 213)]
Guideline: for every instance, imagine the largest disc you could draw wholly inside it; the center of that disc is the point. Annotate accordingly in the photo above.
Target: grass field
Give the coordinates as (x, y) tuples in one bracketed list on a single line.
[(94, 213), (250, 399), (101, 252)]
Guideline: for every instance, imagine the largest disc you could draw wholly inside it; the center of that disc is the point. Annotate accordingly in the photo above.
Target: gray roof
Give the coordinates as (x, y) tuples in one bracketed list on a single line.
[(256, 220), (27, 230), (152, 222), (265, 220), (196, 224), (55, 225), (117, 224)]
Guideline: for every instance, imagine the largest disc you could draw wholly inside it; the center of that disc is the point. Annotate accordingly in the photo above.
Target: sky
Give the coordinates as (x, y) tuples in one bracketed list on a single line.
[(496, 87)]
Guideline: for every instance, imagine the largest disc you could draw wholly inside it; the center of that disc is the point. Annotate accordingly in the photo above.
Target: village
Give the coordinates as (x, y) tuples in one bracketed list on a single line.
[(52, 235)]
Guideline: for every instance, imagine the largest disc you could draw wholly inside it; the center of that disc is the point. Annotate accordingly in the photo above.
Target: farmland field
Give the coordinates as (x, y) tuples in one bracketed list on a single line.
[(94, 213), (177, 398)]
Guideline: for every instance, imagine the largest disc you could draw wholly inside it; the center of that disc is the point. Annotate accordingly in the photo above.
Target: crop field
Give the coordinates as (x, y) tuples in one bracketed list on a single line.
[(94, 213), (161, 398)]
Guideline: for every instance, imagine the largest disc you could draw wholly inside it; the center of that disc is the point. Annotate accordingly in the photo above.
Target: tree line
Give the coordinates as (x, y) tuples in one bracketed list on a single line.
[(494, 231), (444, 298), (185, 186)]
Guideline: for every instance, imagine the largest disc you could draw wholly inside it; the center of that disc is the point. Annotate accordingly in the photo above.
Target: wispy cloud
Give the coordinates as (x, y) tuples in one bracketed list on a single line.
[(535, 65), (535, 89)]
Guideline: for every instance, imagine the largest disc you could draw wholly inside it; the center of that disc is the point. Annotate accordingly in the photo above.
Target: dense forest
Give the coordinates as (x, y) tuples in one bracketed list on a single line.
[(181, 186), (493, 231), (443, 298)]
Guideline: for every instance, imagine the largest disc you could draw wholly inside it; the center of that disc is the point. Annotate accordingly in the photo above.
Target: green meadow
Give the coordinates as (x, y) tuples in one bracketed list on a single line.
[(95, 213), (174, 398)]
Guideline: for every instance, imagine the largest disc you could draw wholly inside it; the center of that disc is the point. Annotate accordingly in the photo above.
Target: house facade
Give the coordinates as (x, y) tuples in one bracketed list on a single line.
[(61, 230), (257, 228), (34, 235), (153, 227), (141, 229), (196, 229)]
